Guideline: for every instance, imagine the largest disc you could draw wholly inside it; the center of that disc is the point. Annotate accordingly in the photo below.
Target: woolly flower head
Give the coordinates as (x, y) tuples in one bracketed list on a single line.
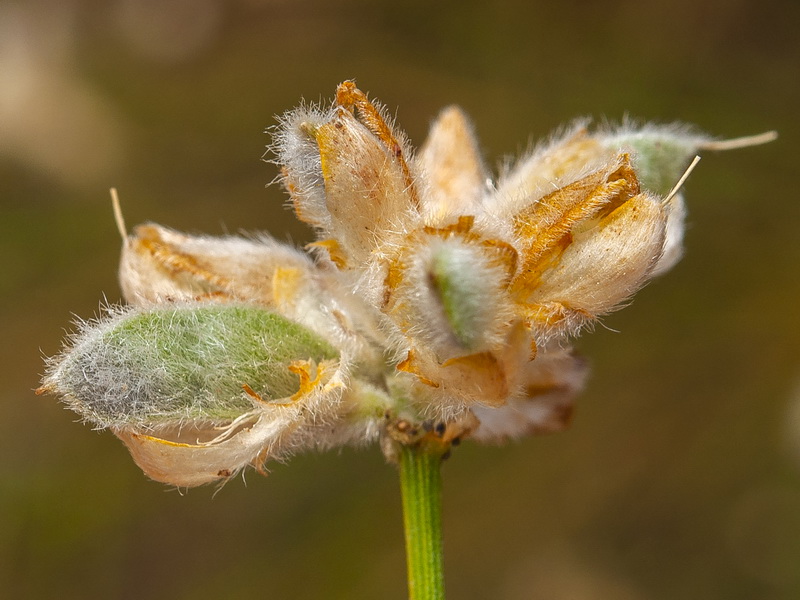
[(439, 303)]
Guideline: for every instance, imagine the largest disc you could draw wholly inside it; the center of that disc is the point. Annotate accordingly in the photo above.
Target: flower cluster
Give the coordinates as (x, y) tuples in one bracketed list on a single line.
[(439, 302)]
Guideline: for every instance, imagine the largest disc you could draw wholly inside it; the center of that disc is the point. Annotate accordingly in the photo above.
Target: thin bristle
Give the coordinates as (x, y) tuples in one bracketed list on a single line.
[(740, 142), (118, 218)]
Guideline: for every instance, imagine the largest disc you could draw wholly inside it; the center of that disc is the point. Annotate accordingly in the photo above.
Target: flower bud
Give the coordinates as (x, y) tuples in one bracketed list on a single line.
[(455, 297), (367, 189), (179, 364), (365, 186)]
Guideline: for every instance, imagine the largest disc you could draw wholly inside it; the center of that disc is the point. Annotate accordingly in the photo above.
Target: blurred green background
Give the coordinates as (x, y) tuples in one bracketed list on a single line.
[(680, 477)]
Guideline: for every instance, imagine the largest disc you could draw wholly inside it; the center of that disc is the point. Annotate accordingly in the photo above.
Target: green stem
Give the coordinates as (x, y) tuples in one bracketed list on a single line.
[(421, 488)]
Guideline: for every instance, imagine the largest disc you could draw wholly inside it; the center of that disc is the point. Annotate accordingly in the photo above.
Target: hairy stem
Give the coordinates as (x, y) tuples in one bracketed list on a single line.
[(421, 488)]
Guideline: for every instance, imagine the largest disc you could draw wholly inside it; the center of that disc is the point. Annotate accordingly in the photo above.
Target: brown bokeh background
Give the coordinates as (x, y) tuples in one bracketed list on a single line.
[(680, 477)]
